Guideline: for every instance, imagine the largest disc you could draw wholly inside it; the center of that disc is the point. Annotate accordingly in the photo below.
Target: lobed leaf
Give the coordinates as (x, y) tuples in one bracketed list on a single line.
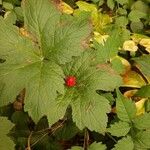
[(119, 128), (32, 58), (126, 109), (144, 91), (5, 141), (88, 108), (143, 64), (142, 122), (124, 143), (105, 52), (142, 139)]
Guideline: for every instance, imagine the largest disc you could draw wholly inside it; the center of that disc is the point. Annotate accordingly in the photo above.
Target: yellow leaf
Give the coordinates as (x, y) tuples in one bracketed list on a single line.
[(101, 39), (148, 49), (66, 8), (130, 46), (98, 19), (146, 43), (140, 106), (86, 6), (137, 37), (130, 93), (126, 64), (133, 79)]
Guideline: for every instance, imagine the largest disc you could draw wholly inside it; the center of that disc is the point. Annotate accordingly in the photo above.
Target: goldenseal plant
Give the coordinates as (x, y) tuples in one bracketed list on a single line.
[(54, 51), (66, 81)]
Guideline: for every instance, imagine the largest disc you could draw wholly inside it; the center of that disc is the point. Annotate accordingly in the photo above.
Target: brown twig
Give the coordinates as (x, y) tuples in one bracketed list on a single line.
[(86, 139), (29, 141), (49, 130)]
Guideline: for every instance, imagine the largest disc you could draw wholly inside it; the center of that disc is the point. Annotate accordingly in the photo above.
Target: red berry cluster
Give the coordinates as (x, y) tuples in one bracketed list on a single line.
[(70, 81)]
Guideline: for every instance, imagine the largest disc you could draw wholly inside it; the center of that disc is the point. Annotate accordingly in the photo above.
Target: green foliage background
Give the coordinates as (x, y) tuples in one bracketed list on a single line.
[(105, 45)]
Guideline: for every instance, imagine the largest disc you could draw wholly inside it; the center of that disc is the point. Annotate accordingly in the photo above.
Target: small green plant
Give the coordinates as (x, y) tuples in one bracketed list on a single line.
[(58, 81)]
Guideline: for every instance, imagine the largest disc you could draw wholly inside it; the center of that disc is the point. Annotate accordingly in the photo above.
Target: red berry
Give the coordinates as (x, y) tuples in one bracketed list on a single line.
[(70, 81)]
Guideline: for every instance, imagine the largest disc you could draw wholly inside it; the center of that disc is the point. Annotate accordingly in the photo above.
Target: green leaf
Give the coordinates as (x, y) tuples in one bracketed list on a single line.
[(124, 144), (90, 111), (142, 139), (7, 6), (121, 21), (17, 2), (122, 2), (111, 4), (121, 11), (41, 92), (92, 76), (137, 27), (5, 141), (96, 1), (142, 122), (140, 6), (108, 96), (136, 15), (6, 110), (147, 105), (119, 128), (71, 39), (97, 146), (45, 142), (101, 2), (110, 49), (144, 91), (86, 6), (117, 65), (33, 59), (77, 148), (60, 37), (23, 124), (83, 98), (99, 20), (21, 131), (143, 64), (20, 57), (37, 17), (19, 13), (126, 109), (93, 146), (10, 17), (125, 35), (68, 131)]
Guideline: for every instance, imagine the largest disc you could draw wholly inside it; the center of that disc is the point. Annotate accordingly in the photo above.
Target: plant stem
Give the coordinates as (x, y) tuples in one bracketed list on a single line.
[(86, 139), (51, 130), (111, 137)]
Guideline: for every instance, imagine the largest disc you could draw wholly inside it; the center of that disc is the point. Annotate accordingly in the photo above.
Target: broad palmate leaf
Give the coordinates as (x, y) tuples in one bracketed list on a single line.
[(88, 108), (5, 141), (32, 60)]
